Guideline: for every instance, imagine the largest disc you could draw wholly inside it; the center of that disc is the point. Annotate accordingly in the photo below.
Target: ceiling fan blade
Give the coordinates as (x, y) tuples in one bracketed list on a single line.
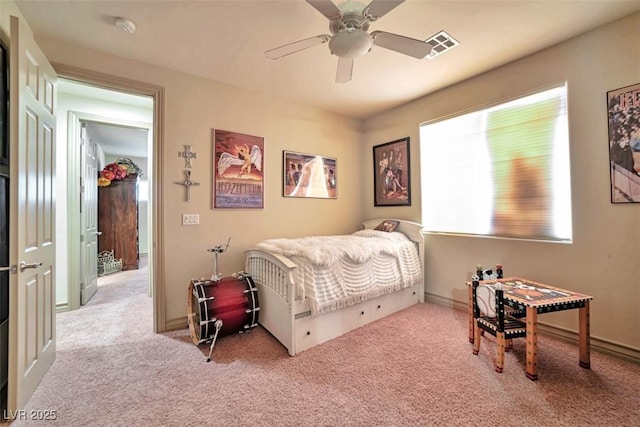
[(327, 8), (345, 70), (297, 46), (378, 8), (412, 47)]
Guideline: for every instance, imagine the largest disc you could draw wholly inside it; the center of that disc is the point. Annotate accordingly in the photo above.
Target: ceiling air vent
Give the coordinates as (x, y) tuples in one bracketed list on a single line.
[(441, 43)]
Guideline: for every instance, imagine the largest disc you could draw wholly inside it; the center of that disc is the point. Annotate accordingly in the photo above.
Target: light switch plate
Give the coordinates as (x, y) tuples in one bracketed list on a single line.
[(190, 219)]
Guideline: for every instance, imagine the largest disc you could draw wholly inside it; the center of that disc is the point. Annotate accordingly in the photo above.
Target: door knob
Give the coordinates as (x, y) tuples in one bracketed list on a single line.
[(24, 265), (98, 233)]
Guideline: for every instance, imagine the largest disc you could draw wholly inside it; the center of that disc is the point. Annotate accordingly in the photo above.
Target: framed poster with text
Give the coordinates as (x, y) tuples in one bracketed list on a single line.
[(238, 175), (623, 113)]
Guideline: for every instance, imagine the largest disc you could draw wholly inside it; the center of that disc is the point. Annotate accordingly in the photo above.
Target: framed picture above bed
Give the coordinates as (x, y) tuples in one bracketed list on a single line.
[(309, 175), (238, 175), (391, 174)]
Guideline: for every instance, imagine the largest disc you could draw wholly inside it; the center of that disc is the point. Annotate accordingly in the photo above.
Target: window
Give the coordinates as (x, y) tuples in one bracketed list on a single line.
[(143, 190), (501, 171)]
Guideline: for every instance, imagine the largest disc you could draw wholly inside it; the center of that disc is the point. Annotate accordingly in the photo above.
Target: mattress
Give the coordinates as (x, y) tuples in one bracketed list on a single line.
[(335, 272)]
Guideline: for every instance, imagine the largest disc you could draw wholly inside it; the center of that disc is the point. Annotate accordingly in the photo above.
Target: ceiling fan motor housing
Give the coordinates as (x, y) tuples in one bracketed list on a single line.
[(350, 38), (351, 17)]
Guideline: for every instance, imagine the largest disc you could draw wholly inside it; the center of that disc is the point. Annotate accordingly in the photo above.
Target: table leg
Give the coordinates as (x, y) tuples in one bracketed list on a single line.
[(500, 347), (471, 318), (584, 336), (532, 343)]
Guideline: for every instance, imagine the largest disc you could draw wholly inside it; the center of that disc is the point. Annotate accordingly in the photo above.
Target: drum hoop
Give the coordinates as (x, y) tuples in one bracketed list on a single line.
[(199, 293), (191, 313), (254, 299), (204, 313), (196, 289)]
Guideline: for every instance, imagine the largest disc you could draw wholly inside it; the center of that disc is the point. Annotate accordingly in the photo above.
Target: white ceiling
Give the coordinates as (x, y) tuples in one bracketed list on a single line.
[(119, 140), (225, 41)]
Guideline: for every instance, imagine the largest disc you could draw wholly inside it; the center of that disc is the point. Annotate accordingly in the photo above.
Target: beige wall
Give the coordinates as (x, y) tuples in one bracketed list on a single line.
[(604, 258)]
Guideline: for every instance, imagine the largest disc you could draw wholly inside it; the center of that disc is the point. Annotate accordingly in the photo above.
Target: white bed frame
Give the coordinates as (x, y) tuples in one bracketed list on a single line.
[(290, 320)]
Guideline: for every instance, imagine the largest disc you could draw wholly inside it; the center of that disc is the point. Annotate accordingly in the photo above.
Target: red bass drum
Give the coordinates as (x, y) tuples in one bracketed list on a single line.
[(232, 300)]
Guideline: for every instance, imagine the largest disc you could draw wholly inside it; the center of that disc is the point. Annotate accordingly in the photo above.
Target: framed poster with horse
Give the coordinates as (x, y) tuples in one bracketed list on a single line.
[(238, 178)]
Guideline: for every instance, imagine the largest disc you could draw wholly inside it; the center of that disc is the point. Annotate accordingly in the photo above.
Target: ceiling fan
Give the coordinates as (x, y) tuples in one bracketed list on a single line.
[(348, 23)]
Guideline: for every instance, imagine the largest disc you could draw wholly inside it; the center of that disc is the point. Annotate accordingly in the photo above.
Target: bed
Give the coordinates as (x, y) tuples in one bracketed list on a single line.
[(310, 293)]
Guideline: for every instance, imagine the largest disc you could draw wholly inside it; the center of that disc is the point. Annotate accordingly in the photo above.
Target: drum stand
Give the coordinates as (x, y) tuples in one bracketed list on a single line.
[(217, 276), (218, 325)]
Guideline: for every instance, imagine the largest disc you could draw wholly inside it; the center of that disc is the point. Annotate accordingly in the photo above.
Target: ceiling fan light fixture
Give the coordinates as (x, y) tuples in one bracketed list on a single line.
[(350, 43)]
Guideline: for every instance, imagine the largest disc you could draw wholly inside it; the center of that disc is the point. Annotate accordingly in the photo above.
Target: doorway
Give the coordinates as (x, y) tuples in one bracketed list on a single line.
[(102, 125), (156, 219)]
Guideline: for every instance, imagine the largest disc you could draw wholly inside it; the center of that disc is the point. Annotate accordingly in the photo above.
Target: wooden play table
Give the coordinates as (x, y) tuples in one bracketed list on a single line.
[(537, 298)]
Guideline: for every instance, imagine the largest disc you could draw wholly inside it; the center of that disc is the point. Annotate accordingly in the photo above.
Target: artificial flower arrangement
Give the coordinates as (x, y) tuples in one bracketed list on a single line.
[(117, 171)]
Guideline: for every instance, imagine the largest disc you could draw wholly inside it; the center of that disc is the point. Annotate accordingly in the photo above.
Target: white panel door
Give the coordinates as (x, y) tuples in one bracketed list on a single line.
[(32, 216), (88, 217)]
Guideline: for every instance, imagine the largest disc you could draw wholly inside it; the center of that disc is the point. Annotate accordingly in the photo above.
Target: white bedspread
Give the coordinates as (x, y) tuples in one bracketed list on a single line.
[(338, 271)]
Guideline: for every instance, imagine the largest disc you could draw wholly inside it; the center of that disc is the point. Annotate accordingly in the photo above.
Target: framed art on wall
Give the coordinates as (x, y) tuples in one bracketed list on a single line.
[(391, 173), (238, 175), (623, 107), (308, 175)]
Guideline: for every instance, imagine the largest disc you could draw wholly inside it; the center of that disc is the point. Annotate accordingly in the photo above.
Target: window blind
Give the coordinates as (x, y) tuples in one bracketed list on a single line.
[(500, 171)]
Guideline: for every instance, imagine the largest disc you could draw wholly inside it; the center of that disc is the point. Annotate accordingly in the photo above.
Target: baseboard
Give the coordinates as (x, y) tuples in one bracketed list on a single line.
[(447, 302), (62, 307), (175, 324), (611, 348)]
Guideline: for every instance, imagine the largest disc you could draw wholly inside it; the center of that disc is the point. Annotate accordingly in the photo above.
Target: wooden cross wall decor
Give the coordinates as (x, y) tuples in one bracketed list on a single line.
[(188, 155)]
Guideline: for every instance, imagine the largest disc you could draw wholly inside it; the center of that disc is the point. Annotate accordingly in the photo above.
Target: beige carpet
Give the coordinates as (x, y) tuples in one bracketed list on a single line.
[(414, 368)]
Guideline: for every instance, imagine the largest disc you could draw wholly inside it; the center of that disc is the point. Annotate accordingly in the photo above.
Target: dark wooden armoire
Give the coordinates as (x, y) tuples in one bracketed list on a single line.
[(118, 220)]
